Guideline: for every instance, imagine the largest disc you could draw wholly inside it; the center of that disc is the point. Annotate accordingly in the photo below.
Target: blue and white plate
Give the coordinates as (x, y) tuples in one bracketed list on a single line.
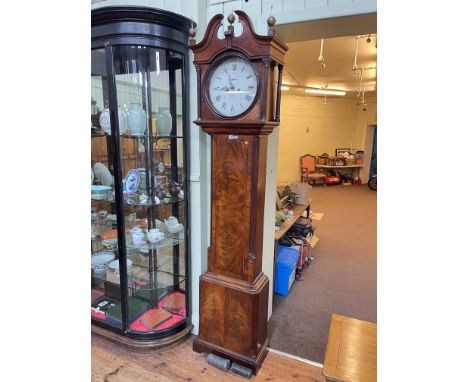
[(100, 260), (131, 181)]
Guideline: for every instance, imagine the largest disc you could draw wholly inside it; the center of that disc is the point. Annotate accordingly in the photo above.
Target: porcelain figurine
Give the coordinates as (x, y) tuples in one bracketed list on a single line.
[(160, 192), (174, 189), (143, 198)]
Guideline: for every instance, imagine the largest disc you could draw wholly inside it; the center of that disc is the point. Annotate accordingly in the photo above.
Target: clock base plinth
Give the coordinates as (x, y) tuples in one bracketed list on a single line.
[(201, 346), (233, 322)]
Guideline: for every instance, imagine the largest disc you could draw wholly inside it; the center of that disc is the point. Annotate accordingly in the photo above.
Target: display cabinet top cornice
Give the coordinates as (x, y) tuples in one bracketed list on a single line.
[(113, 14), (251, 44)]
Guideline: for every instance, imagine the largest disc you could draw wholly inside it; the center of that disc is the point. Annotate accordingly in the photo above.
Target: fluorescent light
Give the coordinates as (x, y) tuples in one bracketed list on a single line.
[(284, 87), (329, 92)]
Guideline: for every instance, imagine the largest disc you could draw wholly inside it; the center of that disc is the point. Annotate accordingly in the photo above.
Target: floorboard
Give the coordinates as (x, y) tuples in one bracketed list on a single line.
[(113, 363)]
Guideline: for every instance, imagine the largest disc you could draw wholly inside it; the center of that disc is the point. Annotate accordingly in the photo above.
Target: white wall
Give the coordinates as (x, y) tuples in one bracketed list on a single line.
[(308, 126)]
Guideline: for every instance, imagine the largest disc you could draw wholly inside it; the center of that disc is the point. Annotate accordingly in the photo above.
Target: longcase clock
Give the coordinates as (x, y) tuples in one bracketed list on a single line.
[(239, 85)]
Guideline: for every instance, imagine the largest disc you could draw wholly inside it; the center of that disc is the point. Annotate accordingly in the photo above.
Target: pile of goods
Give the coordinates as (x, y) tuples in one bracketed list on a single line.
[(323, 159), (337, 161)]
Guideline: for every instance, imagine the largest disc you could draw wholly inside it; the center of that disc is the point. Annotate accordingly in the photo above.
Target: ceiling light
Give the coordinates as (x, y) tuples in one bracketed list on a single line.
[(355, 66), (285, 88), (329, 92), (320, 57)]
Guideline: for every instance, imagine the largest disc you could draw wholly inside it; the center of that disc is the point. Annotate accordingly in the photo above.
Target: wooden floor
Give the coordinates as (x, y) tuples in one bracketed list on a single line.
[(112, 363)]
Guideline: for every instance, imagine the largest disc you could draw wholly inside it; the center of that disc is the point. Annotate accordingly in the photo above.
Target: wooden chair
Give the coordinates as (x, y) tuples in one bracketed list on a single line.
[(308, 173)]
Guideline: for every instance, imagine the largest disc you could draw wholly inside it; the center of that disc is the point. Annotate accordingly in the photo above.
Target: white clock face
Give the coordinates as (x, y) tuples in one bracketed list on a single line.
[(232, 87)]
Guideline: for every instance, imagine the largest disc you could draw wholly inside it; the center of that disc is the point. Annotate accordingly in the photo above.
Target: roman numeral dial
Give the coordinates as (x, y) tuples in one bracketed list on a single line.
[(232, 86)]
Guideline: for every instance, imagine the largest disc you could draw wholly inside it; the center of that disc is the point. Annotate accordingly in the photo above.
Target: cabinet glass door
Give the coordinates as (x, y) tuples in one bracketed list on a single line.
[(105, 291), (149, 100)]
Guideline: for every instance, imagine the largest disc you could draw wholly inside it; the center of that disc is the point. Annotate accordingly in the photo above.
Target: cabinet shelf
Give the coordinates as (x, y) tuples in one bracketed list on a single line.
[(142, 280), (130, 136), (169, 241), (170, 200)]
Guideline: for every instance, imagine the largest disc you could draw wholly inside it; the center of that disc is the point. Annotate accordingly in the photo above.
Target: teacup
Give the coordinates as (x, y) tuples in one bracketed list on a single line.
[(171, 220), (138, 238), (154, 235), (174, 228), (136, 230)]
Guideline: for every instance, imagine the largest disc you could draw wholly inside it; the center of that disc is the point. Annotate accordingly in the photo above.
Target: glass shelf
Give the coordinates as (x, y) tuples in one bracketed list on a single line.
[(135, 203), (170, 240), (140, 279), (129, 136)]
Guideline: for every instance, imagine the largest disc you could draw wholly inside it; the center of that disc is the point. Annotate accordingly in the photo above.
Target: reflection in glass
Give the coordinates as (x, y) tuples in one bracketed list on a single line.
[(105, 288)]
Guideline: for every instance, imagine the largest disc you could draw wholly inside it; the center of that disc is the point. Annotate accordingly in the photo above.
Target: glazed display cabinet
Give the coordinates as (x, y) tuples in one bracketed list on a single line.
[(140, 255)]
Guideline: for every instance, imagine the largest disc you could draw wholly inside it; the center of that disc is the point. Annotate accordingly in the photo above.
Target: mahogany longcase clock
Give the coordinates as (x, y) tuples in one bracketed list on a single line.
[(239, 85)]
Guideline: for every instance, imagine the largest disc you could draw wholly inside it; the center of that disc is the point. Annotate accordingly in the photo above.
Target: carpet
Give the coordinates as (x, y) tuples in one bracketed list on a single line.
[(341, 279)]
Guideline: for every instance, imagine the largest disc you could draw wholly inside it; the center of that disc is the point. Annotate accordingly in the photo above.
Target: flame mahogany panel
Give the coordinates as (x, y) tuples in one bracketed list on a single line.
[(231, 203)]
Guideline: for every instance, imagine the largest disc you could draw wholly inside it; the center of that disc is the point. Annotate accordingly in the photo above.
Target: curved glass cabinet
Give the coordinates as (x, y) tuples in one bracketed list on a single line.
[(139, 173)]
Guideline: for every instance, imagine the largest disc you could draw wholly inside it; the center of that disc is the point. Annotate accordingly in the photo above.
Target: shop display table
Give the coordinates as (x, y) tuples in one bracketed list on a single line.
[(297, 210), (287, 224), (351, 353)]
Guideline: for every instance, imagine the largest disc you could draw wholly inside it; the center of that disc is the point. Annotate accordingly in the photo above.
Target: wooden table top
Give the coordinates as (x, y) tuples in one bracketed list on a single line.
[(298, 210), (351, 353)]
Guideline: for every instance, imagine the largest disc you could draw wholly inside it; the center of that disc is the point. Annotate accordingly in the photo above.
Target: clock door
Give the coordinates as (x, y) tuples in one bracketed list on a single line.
[(231, 204)]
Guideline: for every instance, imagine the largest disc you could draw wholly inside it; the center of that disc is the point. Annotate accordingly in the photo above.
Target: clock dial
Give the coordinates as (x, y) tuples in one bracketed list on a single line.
[(232, 87)]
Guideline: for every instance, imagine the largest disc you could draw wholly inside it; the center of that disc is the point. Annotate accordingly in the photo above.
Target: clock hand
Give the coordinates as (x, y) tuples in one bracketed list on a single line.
[(230, 81)]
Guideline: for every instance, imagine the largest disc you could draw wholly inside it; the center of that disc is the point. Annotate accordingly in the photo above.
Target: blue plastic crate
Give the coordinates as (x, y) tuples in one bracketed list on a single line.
[(285, 269)]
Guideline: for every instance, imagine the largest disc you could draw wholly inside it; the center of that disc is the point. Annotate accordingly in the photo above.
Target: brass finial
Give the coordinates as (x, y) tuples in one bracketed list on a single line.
[(231, 18), (192, 32), (271, 21)]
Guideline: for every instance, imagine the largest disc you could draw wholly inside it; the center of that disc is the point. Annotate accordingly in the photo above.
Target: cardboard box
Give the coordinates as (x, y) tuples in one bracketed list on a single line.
[(303, 192)]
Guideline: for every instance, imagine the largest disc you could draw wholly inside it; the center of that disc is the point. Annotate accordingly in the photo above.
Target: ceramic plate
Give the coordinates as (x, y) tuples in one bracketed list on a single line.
[(101, 259), (110, 243), (131, 181), (114, 265), (103, 175), (99, 188)]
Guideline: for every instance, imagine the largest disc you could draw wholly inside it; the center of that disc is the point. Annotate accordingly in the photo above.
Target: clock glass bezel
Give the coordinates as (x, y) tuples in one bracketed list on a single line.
[(214, 65)]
